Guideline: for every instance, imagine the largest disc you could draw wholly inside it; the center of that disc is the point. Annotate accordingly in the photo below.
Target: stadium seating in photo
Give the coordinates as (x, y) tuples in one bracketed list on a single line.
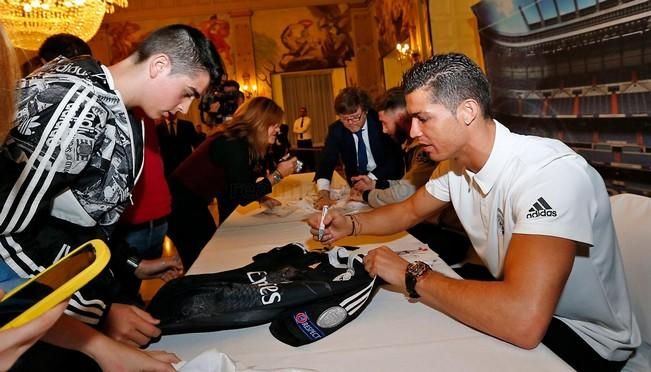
[(578, 135), (560, 106), (532, 107), (617, 136), (646, 138), (506, 105), (595, 105), (596, 156), (642, 159), (634, 103)]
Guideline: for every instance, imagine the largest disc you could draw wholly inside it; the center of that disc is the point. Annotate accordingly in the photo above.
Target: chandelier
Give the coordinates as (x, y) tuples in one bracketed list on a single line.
[(403, 51), (30, 22)]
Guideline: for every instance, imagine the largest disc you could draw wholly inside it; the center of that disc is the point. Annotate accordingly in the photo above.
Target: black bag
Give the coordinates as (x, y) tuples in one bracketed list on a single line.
[(305, 294)]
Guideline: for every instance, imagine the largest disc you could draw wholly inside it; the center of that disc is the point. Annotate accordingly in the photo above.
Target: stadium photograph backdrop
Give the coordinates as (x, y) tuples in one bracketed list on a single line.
[(578, 71)]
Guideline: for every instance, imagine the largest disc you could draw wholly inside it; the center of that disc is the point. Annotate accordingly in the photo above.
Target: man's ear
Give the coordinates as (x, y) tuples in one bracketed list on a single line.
[(468, 111), (159, 65)]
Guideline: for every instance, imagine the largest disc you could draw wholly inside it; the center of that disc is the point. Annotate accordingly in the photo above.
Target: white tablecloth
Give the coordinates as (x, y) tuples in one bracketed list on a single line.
[(391, 334)]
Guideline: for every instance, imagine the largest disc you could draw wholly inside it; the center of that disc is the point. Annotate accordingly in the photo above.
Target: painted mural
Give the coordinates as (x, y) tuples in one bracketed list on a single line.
[(124, 37), (218, 30), (301, 39), (394, 21)]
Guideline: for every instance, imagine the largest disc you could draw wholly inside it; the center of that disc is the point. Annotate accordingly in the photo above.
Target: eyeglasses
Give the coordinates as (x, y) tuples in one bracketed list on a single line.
[(351, 118)]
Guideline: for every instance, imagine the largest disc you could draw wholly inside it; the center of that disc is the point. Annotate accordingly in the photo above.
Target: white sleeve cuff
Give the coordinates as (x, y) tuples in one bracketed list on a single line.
[(323, 184)]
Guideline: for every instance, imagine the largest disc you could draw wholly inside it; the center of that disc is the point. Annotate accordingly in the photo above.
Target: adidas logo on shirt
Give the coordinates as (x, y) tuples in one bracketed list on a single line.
[(541, 209)]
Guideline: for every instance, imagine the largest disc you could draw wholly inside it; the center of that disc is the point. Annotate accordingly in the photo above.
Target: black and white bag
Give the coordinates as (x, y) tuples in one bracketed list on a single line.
[(306, 295)]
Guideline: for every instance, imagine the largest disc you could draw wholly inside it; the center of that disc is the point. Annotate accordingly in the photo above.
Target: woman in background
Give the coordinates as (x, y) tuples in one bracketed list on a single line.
[(228, 166)]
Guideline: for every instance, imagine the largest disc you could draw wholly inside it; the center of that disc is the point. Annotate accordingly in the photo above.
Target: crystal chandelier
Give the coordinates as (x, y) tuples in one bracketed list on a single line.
[(30, 22)]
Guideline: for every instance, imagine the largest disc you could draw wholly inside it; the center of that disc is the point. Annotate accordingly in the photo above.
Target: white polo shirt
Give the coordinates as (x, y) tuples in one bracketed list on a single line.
[(533, 185)]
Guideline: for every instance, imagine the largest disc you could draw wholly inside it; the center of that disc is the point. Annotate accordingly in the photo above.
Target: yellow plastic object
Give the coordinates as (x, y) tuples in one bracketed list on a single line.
[(59, 281)]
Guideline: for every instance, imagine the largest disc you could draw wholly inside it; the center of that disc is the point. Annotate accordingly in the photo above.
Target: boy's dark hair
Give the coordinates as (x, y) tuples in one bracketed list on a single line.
[(349, 99), (188, 49), (449, 79), (231, 83), (392, 99), (63, 45)]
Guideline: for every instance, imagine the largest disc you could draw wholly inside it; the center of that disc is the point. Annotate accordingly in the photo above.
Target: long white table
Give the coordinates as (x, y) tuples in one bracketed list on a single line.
[(391, 334)]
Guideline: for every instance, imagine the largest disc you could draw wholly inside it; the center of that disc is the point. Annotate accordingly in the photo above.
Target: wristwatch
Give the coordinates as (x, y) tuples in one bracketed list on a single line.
[(414, 271), (277, 176)]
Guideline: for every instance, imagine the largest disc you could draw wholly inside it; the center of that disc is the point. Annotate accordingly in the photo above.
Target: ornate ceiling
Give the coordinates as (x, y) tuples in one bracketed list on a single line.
[(139, 9)]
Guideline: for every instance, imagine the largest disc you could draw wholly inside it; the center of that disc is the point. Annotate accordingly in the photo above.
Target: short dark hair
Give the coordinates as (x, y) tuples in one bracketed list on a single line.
[(392, 99), (449, 79), (349, 99), (231, 83), (66, 45), (188, 49)]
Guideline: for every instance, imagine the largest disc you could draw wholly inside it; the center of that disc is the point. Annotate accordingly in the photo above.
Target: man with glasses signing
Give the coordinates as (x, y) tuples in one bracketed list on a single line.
[(358, 140)]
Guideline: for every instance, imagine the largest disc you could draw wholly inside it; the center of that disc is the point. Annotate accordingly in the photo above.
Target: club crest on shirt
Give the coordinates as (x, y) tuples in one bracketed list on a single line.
[(500, 219), (332, 317)]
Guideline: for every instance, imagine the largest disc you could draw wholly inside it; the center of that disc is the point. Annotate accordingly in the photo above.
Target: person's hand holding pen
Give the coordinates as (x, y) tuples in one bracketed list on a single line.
[(335, 226), (324, 213)]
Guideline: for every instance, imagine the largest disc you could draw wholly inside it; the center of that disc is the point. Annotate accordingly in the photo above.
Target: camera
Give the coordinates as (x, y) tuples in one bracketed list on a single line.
[(227, 97)]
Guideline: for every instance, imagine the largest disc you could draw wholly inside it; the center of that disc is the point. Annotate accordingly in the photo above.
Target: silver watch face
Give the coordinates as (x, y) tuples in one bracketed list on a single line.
[(417, 268)]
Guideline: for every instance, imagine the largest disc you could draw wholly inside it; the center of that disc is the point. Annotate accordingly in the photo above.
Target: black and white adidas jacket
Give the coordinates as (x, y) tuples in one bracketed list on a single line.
[(68, 167)]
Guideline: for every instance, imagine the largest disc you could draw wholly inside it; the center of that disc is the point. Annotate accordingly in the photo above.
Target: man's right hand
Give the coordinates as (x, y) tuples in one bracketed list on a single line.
[(130, 325), (337, 226)]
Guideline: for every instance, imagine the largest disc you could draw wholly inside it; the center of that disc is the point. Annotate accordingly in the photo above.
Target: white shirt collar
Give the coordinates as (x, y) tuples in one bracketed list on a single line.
[(109, 77), (499, 156)]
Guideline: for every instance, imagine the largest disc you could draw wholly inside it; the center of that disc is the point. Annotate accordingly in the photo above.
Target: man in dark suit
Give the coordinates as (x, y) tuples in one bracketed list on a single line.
[(177, 139), (357, 139)]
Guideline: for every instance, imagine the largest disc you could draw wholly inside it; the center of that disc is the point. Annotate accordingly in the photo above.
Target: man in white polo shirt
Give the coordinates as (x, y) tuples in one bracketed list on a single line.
[(537, 214)]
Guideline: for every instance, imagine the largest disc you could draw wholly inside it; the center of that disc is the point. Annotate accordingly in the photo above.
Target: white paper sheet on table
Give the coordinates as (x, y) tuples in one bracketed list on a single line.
[(215, 361)]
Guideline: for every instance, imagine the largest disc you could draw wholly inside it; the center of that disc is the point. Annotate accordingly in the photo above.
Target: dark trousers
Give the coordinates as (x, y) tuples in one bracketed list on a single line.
[(450, 245), (190, 225), (304, 144), (565, 343), (307, 157), (146, 241)]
